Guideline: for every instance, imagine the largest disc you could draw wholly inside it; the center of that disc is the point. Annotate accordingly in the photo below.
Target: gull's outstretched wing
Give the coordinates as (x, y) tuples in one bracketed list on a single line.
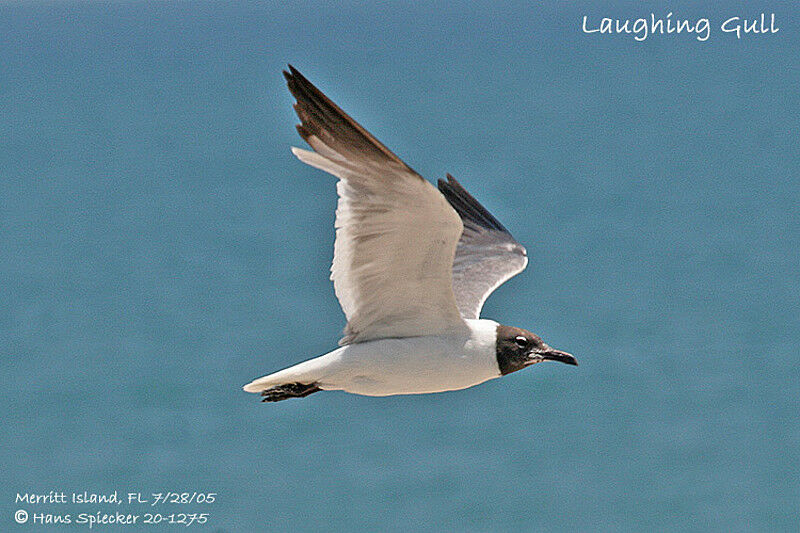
[(396, 234), (487, 255)]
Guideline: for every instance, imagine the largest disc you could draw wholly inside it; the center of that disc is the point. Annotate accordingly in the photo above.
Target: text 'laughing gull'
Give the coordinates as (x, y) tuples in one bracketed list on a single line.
[(412, 267)]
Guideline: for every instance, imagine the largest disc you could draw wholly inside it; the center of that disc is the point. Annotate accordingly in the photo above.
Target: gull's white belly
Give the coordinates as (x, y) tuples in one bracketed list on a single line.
[(411, 365)]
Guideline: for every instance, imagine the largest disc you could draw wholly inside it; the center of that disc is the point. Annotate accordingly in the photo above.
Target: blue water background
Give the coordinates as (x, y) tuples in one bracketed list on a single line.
[(160, 246)]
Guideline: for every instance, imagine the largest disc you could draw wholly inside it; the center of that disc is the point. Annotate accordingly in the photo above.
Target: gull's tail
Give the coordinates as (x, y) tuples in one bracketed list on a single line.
[(297, 381)]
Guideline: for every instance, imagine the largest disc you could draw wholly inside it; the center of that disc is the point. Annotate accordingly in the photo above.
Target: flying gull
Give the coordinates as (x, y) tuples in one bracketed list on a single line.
[(412, 267)]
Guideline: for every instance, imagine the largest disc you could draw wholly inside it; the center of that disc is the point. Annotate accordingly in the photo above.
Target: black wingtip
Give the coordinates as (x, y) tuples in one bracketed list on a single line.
[(467, 206), (294, 76), (452, 181), (289, 74), (303, 131), (295, 80), (319, 116)]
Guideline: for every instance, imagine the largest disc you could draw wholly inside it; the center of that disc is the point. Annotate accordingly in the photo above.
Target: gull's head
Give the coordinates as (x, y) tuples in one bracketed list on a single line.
[(518, 348)]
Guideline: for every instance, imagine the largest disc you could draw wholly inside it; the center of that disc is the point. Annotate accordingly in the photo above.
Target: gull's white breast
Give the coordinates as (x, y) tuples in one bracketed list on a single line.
[(412, 365)]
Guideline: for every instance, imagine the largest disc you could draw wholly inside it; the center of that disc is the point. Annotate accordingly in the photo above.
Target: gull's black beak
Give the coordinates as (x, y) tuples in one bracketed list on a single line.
[(557, 355)]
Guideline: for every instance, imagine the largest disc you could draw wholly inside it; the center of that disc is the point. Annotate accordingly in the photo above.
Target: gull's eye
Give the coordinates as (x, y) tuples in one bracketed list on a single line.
[(521, 341)]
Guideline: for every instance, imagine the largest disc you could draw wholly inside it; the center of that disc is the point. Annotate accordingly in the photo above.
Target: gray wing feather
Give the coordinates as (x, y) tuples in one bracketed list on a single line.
[(396, 235), (486, 255)]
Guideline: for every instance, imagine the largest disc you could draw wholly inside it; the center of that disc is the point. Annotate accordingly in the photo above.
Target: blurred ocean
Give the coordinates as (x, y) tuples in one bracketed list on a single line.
[(160, 247)]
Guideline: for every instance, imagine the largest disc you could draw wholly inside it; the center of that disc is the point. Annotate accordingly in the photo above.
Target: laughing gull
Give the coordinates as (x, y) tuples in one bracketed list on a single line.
[(412, 267)]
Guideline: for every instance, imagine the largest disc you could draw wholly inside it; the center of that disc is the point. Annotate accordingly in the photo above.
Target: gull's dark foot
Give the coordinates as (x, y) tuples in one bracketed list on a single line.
[(290, 390)]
